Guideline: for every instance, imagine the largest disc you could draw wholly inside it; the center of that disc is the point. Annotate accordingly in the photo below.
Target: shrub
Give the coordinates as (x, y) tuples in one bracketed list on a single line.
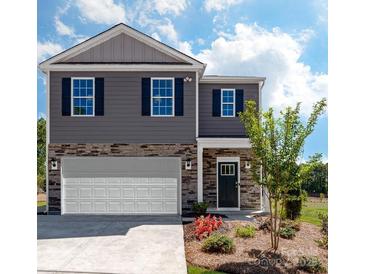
[(245, 231), (324, 222), (287, 232), (218, 243), (321, 197), (293, 204), (200, 208), (204, 226), (323, 242), (311, 264), (294, 224)]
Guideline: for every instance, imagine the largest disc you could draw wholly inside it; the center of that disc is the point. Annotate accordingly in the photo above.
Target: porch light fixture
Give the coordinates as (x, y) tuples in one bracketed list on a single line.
[(187, 79), (247, 164), (188, 164), (54, 164)]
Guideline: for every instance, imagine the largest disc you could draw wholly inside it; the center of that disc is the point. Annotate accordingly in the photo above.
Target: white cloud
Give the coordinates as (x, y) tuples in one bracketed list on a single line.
[(218, 5), (47, 49), (255, 51), (63, 29), (170, 6), (168, 30), (200, 41), (102, 11)]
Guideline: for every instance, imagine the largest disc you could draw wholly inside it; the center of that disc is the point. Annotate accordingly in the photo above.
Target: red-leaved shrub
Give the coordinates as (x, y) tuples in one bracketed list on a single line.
[(204, 226)]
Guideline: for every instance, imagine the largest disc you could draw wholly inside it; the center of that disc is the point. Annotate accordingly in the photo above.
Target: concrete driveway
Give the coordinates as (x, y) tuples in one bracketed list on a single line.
[(110, 244)]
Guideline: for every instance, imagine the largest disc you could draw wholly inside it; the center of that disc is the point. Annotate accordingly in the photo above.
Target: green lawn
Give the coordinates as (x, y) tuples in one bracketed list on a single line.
[(199, 270), (311, 208), (41, 203)]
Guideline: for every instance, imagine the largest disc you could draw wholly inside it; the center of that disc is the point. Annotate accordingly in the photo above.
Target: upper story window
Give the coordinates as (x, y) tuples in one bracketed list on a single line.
[(82, 102), (162, 96), (228, 103)]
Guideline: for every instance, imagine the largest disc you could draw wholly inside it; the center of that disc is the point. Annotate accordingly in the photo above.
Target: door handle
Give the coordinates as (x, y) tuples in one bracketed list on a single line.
[(237, 184)]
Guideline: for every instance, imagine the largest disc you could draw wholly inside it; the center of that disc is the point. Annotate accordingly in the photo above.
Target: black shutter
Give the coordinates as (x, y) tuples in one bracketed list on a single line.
[(239, 101), (66, 96), (179, 96), (216, 102), (146, 96), (99, 96)]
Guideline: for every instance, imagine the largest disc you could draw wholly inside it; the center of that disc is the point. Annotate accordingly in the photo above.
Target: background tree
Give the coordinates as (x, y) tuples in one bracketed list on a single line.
[(277, 144), (314, 175), (41, 153)]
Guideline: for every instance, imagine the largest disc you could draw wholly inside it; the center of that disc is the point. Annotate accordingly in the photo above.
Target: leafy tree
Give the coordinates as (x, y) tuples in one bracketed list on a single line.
[(41, 153), (314, 175), (277, 144)]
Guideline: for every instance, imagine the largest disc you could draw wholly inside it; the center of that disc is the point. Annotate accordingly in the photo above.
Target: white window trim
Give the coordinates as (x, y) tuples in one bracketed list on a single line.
[(72, 96), (234, 102), (229, 174), (173, 96)]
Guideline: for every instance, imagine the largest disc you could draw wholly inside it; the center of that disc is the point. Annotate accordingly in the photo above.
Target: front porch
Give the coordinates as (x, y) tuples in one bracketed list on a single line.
[(224, 176)]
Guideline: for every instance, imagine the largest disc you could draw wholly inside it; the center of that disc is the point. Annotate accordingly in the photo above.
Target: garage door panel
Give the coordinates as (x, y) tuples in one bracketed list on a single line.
[(86, 192), (86, 206), (100, 192), (128, 206), (71, 192), (71, 206), (100, 206), (120, 185), (142, 206), (114, 192)]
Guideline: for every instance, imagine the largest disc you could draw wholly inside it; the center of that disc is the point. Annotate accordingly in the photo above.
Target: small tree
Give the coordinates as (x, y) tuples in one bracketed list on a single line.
[(277, 144), (41, 153)]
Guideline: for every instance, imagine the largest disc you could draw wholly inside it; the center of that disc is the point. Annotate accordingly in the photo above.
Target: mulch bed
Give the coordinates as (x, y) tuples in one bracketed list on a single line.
[(252, 255)]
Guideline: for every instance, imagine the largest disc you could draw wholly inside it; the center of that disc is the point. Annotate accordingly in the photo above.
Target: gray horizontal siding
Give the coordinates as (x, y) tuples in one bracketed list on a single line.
[(122, 121), (122, 48), (222, 126)]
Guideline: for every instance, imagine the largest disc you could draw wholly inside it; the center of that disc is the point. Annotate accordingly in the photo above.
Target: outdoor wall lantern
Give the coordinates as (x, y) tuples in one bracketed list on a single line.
[(187, 79), (247, 164), (54, 164), (188, 164)]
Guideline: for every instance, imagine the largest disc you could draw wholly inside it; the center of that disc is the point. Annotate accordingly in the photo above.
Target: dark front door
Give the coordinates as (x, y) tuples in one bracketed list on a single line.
[(227, 184)]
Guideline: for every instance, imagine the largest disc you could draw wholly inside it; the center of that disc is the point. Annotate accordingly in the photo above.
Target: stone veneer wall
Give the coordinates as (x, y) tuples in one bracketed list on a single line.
[(250, 192), (185, 151)]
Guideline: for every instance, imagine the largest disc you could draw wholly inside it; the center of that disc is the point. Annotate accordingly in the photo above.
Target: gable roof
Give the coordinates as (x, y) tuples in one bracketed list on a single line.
[(60, 60)]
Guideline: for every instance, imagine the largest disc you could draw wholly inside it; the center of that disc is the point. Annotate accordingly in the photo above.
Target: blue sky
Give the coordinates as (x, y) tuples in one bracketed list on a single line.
[(286, 41)]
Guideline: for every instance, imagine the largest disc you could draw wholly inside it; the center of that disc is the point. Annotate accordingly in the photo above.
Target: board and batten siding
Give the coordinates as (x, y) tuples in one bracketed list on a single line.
[(122, 121), (122, 48), (210, 126)]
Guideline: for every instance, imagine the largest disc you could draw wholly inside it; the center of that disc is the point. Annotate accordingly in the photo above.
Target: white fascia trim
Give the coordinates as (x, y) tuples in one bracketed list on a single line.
[(231, 80), (196, 104), (223, 142), (121, 67), (98, 39)]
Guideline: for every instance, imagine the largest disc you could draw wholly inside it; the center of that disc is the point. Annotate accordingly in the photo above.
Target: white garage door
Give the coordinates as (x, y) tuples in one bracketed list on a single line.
[(120, 185)]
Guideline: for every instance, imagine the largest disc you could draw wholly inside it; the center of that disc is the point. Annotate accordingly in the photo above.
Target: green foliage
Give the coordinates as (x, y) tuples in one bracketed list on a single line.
[(311, 209), (323, 242), (200, 208), (314, 175), (277, 144), (324, 222), (311, 264), (287, 232), (294, 224), (41, 153), (218, 243), (293, 203), (199, 270), (247, 231)]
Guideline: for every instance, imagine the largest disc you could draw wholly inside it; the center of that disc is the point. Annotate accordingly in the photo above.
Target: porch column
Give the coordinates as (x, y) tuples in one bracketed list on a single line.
[(200, 173)]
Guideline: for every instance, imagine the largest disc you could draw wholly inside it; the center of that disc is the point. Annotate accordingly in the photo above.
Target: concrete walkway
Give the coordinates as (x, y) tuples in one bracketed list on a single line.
[(110, 244)]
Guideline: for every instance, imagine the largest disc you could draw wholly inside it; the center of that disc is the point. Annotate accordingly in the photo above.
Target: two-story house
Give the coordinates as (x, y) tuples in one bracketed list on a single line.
[(135, 127)]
